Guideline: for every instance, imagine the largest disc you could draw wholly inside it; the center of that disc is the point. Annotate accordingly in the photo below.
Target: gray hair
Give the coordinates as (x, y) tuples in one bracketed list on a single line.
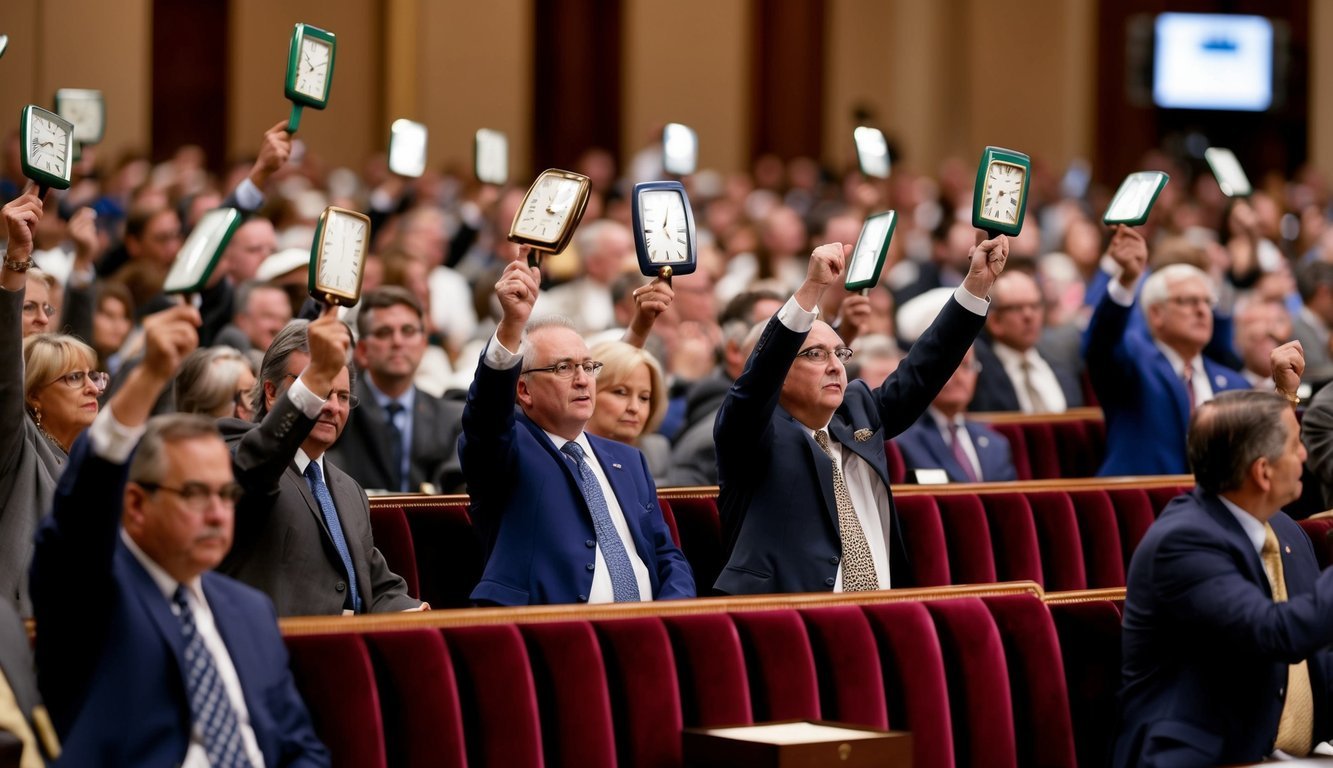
[(206, 382), (586, 237), (550, 321), (148, 464), (294, 337), (1156, 289), (1232, 431)]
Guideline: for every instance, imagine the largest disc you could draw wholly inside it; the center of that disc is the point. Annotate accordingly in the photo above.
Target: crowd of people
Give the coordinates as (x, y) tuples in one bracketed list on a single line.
[(561, 397)]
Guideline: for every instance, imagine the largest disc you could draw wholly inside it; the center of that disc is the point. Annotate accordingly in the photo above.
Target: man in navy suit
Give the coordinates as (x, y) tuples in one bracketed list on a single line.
[(942, 439), (1148, 383), (804, 486), (1228, 620), (565, 516), (146, 657)]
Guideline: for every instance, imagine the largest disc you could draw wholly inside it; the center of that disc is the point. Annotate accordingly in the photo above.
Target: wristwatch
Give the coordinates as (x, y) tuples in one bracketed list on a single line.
[(19, 266)]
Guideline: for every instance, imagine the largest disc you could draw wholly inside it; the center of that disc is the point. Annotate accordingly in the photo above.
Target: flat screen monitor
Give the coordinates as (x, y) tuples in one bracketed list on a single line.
[(1213, 61)]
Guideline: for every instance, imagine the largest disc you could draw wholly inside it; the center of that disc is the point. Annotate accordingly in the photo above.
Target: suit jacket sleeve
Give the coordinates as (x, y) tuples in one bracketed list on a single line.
[(674, 575), (747, 411), (262, 455), (487, 444), (904, 396), (1105, 352)]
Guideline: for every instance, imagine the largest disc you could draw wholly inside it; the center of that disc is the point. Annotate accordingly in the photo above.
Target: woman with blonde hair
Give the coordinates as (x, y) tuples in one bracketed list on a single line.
[(49, 387), (631, 403)]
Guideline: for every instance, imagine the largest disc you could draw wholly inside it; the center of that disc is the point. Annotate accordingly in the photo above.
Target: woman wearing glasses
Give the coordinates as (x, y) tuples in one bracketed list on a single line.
[(49, 387)]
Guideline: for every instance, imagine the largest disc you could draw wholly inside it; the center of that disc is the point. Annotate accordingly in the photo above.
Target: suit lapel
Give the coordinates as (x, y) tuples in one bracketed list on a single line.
[(822, 463), (1175, 387), (146, 591), (231, 624), (1237, 538)]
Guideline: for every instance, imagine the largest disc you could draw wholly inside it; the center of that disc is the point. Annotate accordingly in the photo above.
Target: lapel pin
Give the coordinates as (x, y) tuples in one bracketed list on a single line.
[(617, 466), (1221, 381), (983, 441), (862, 435), (1288, 549)]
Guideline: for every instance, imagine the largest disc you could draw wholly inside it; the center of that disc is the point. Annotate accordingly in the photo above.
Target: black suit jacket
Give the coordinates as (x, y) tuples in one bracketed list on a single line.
[(997, 392), (365, 452), (776, 496)]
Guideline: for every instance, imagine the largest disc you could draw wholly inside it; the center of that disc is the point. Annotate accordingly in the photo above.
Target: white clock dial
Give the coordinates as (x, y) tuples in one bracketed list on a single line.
[(83, 108), (312, 70), (548, 205), (342, 252), (49, 146), (867, 251), (662, 214), (1002, 192)]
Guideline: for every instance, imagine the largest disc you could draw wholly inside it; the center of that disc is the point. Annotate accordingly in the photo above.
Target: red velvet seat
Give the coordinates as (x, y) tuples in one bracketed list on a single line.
[(418, 694), (968, 538), (851, 680), (1063, 566), (572, 694), (337, 681), (641, 673), (781, 664), (1013, 530), (979, 697), (1018, 448), (1043, 730), (393, 538), (498, 695), (710, 664), (915, 686), (897, 467), (1099, 532), (1089, 635), (449, 554), (700, 534), (924, 539), (1320, 531)]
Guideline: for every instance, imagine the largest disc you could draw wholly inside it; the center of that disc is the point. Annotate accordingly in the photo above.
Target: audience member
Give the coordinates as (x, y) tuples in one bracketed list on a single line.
[(565, 516), (1261, 327), (262, 309), (163, 662), (1226, 626), (631, 402), (216, 382), (607, 248), (1149, 384), (39, 313), (303, 532), (805, 512), (945, 439), (1313, 322), (398, 438), (1016, 375)]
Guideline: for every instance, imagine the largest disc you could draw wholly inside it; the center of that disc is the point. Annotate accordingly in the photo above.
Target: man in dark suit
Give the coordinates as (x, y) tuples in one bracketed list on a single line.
[(943, 439), (1227, 622), (399, 438), (161, 662), (565, 516), (1148, 383), (303, 529), (1017, 373), (804, 486)]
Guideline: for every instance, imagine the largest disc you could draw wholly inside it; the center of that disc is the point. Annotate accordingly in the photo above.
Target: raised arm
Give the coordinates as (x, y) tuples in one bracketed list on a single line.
[(650, 301)]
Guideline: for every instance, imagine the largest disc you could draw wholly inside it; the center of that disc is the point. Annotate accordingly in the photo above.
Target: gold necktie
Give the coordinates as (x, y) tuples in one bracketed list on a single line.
[(858, 566), (12, 720), (1035, 400), (1296, 728)]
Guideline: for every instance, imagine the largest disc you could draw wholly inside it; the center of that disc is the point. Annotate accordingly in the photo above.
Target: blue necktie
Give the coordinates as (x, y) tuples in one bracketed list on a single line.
[(210, 706), (624, 585), (321, 492), (396, 450)]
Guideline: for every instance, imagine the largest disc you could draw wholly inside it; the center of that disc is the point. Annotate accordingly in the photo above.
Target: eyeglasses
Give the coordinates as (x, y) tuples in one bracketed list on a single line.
[(1029, 306), (1192, 302), (75, 379), (195, 496), (345, 398), (565, 368), (30, 308), (820, 354), (385, 332)]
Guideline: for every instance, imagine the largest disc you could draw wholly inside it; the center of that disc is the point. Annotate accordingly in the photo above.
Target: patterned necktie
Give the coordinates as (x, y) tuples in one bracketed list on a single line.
[(960, 455), (858, 565), (1296, 728), (1188, 378), (211, 708), (330, 513), (624, 585), (1036, 402), (396, 477)]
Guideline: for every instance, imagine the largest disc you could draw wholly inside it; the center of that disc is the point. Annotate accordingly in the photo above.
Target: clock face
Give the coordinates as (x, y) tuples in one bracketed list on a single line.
[(199, 254), (47, 151), (407, 148), (312, 68), (85, 109), (665, 233), (548, 206), (868, 247), (342, 250), (1003, 192), (492, 157)]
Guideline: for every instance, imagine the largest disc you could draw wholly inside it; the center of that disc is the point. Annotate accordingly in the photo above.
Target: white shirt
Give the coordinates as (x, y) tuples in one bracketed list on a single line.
[(1039, 373), (500, 358), (114, 442)]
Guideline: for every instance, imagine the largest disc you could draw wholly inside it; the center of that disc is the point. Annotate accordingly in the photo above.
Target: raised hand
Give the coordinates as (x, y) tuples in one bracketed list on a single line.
[(329, 341), (1129, 250), (1288, 363), (986, 261), (169, 336), (517, 291)]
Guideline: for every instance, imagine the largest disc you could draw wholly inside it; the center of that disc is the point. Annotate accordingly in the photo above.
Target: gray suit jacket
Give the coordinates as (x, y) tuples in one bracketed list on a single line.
[(30, 464), (282, 546), (365, 451)]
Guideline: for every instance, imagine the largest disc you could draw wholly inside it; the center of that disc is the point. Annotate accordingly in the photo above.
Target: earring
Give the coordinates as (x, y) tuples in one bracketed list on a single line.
[(37, 417)]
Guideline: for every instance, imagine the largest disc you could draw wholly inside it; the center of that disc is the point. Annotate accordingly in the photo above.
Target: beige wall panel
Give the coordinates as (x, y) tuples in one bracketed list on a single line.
[(859, 72), (688, 61), (353, 124), (475, 64), (80, 44), (1321, 95), (927, 114)]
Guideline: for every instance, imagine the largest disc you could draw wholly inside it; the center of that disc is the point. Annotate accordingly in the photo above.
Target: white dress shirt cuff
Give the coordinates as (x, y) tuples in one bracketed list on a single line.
[(795, 317), (111, 440), (1119, 293), (248, 196), (306, 402), (974, 304), (499, 357)]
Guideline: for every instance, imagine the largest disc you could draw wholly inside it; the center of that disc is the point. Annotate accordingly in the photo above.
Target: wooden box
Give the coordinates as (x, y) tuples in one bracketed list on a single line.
[(796, 744)]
